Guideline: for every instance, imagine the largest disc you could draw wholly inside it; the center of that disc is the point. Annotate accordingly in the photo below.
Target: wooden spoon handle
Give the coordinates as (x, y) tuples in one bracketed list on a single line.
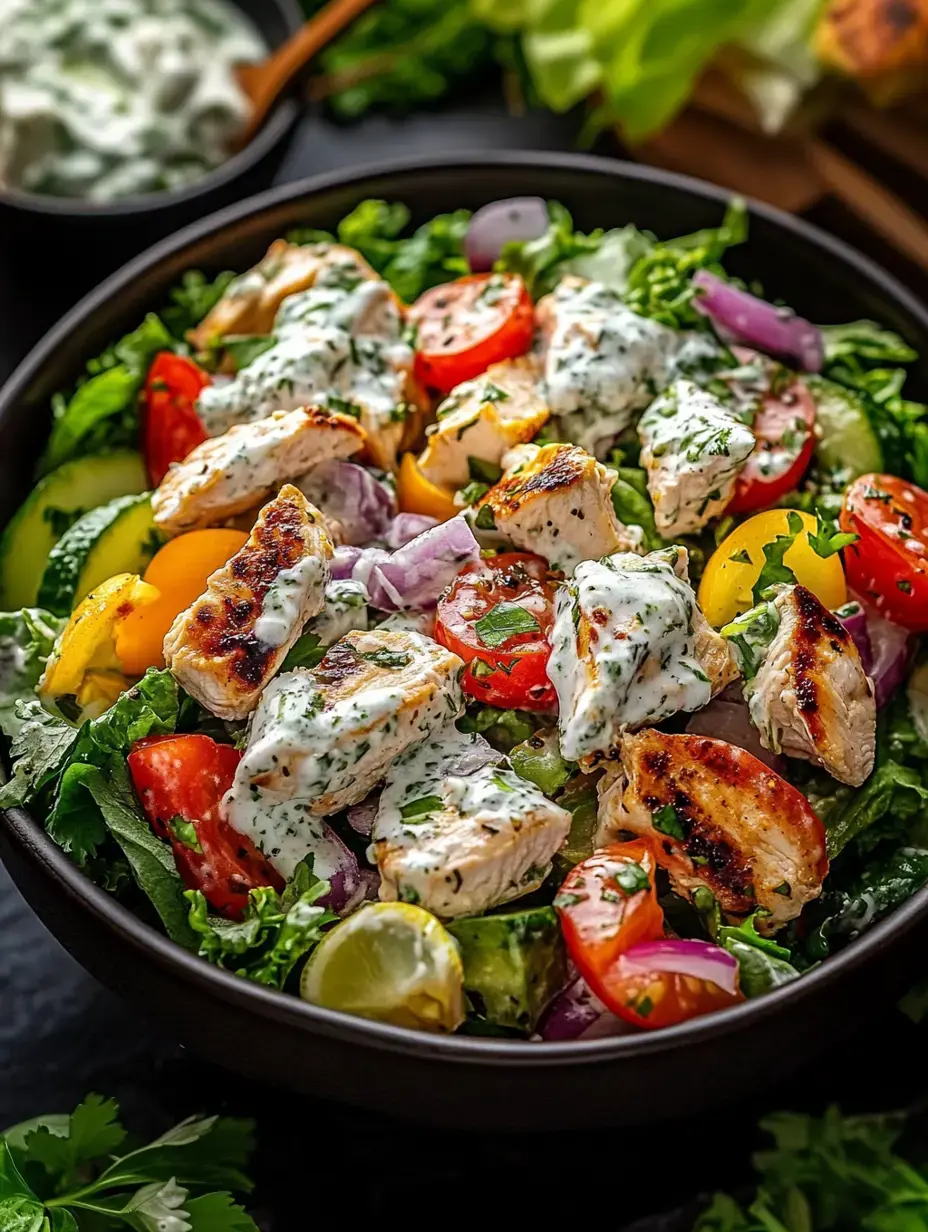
[(265, 82), (876, 205)]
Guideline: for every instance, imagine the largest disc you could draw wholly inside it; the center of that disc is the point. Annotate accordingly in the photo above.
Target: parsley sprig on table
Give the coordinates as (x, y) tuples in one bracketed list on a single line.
[(81, 1173)]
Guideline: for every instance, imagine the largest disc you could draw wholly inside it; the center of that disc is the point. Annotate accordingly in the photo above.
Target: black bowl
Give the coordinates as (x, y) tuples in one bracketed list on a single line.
[(101, 235), (457, 1080)]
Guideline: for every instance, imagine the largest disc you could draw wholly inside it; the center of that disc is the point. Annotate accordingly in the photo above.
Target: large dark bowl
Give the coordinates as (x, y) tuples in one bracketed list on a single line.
[(65, 232), (457, 1080)]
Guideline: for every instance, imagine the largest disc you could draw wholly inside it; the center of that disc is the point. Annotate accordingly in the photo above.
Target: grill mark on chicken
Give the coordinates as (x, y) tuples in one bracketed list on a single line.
[(279, 546), (815, 625), (340, 664)]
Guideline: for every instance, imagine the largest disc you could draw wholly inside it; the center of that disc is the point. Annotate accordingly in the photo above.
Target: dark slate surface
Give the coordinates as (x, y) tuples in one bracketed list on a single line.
[(61, 1035)]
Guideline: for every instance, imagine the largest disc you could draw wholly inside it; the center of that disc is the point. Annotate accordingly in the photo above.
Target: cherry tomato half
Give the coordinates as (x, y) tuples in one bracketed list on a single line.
[(172, 427), (183, 779), (607, 904), (650, 998), (464, 326), (511, 591), (785, 443), (889, 562)]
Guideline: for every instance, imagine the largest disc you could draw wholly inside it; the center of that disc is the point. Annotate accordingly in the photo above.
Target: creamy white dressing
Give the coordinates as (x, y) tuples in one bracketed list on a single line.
[(338, 344), (603, 362), (449, 826), (308, 741), (105, 99), (693, 448), (411, 622), (287, 598), (344, 610), (623, 650)]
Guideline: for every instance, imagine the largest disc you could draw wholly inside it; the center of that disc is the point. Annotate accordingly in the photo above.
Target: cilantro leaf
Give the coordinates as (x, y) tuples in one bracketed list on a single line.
[(199, 1151), (38, 752), (775, 571), (828, 539), (275, 933), (504, 621), (26, 641)]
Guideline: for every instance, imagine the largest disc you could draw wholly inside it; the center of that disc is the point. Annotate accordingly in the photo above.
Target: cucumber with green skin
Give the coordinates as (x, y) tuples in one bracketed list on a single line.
[(514, 963), (846, 437), (119, 537), (51, 507)]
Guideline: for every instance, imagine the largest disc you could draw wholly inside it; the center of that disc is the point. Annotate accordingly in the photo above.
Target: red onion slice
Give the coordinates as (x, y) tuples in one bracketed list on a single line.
[(892, 650), (577, 1013), (338, 865), (413, 576), (728, 718), (700, 960), (854, 618), (361, 816), (745, 318), (500, 223), (363, 506), (406, 526)]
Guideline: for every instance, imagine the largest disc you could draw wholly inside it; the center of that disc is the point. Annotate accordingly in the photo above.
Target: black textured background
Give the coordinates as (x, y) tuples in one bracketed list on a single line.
[(61, 1035)]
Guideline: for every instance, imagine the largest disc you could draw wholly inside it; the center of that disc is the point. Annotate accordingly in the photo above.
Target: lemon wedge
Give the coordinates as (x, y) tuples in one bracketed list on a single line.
[(392, 962)]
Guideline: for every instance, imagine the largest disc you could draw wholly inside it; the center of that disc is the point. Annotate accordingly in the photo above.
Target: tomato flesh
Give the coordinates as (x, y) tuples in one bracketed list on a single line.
[(186, 777), (889, 562), (509, 672), (661, 998), (465, 326), (607, 904), (172, 427), (783, 428)]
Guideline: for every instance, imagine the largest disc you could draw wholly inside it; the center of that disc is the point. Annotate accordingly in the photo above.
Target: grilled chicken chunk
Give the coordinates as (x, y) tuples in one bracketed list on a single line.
[(250, 302), (482, 419), (230, 642), (603, 362), (235, 472), (719, 818), (558, 503), (806, 689), (629, 647), (338, 344), (458, 831), (321, 739), (693, 448)]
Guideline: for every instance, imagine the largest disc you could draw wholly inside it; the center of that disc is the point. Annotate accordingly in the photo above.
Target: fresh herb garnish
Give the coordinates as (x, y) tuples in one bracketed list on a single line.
[(504, 621), (393, 659), (667, 822), (482, 471), (775, 572), (828, 539), (632, 878), (421, 809)]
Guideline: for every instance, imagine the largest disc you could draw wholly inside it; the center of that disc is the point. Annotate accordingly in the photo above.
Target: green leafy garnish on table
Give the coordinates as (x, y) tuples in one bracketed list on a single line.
[(61, 1173)]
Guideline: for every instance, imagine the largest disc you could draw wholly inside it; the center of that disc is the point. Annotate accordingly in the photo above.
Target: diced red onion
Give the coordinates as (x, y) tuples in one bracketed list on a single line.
[(892, 649), (854, 619), (406, 526), (577, 1013), (361, 816), (500, 223), (413, 576), (338, 865), (363, 506), (700, 960), (727, 718), (349, 557), (745, 318), (368, 890)]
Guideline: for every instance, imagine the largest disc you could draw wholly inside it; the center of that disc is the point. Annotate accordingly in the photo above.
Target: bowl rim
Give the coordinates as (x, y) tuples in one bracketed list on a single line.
[(281, 119), (290, 1010)]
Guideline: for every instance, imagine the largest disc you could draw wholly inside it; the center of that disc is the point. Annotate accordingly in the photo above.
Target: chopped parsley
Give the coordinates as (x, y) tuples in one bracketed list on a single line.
[(383, 657), (418, 811), (631, 878), (482, 471), (775, 571), (741, 558), (185, 832), (828, 540), (504, 621), (485, 519), (667, 822)]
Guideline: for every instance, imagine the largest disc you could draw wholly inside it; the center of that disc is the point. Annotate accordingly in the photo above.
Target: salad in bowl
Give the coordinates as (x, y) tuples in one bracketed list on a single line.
[(500, 629)]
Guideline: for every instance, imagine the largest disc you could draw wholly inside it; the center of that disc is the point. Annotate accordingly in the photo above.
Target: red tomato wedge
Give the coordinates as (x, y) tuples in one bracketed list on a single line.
[(171, 425), (496, 616), (464, 326), (783, 428), (654, 997), (182, 779), (889, 562), (607, 904)]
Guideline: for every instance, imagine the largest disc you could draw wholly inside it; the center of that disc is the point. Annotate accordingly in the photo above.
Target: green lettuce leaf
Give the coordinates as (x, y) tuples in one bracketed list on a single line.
[(39, 752), (193, 299), (26, 641), (502, 728), (275, 933)]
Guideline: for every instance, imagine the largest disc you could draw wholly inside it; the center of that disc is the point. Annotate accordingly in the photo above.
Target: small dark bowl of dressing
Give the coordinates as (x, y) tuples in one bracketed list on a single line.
[(88, 238)]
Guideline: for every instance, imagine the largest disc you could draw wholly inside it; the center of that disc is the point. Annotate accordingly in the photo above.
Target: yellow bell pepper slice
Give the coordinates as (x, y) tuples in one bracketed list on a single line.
[(179, 571), (87, 643), (417, 494), (734, 567)]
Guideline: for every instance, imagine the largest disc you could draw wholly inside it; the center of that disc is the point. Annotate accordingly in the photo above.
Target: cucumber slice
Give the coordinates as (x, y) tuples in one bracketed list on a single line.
[(119, 537), (53, 505), (847, 441)]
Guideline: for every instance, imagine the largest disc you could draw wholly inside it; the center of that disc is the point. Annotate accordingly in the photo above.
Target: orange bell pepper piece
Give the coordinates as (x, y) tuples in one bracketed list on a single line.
[(417, 494)]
